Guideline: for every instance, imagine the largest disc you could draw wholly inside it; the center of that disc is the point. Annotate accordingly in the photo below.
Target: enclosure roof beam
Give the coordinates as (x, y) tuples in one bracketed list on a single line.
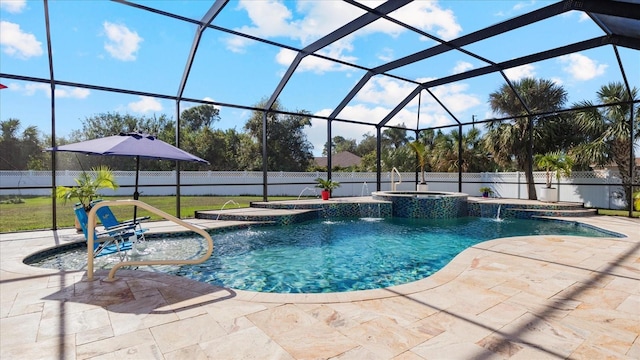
[(206, 20), (483, 34), (548, 54), (332, 37)]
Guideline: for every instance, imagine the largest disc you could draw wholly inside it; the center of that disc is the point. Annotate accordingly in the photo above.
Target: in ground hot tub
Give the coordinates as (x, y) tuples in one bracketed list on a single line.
[(425, 204)]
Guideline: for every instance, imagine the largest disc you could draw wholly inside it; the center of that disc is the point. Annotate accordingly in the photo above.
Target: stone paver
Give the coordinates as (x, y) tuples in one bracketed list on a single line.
[(530, 297)]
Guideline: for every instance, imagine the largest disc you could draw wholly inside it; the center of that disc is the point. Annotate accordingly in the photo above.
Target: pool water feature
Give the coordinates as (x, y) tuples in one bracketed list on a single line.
[(425, 204), (336, 255)]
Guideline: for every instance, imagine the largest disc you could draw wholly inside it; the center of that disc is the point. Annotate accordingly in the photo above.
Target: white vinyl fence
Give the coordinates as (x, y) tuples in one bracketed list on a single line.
[(599, 189)]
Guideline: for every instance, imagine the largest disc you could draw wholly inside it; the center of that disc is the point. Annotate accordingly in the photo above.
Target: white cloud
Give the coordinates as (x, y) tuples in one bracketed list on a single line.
[(581, 67), (385, 91), (558, 81), (455, 97), (520, 72), (314, 19), (75, 93), (429, 16), (517, 8), (520, 6), (60, 91), (462, 66), (386, 55), (145, 104), (13, 6), (122, 43), (17, 43)]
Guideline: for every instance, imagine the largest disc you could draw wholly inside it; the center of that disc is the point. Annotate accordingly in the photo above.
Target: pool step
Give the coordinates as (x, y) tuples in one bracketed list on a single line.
[(278, 216), (521, 213)]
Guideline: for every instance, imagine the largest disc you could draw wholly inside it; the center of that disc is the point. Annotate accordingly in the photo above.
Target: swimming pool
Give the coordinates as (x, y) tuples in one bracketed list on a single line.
[(338, 255)]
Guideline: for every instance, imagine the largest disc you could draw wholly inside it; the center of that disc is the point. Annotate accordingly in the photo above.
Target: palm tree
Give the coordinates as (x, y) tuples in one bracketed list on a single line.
[(422, 156), (508, 141), (608, 132), (556, 162), (445, 152), (89, 184)]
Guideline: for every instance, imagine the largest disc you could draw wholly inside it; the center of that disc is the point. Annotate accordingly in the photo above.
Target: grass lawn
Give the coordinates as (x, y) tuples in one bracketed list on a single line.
[(36, 213), (636, 214)]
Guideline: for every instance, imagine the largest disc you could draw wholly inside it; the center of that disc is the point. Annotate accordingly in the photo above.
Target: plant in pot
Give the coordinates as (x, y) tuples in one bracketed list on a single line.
[(553, 162), (88, 185), (421, 151), (486, 191), (327, 185)]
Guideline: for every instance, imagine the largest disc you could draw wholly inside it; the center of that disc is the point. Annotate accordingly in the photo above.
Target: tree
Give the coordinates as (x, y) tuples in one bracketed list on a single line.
[(198, 117), (444, 156), (367, 145), (340, 144), (20, 151), (395, 137), (422, 157), (557, 162), (109, 124), (608, 132), (287, 146), (508, 141)]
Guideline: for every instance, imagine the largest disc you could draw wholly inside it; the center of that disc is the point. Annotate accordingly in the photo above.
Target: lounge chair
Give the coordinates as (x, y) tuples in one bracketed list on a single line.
[(109, 220), (113, 240)]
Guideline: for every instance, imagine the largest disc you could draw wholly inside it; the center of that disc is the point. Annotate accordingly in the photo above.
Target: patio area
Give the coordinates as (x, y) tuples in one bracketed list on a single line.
[(531, 297)]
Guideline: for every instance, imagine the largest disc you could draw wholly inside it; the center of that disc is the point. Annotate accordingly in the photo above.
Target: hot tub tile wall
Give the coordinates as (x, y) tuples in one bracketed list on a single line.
[(506, 211), (432, 207)]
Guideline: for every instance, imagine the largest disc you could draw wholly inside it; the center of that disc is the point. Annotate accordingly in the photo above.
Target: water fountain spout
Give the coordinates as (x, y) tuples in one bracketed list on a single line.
[(498, 213), (225, 204), (315, 192), (365, 187)]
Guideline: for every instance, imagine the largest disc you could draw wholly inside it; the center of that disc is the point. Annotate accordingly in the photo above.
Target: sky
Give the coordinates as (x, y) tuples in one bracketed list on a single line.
[(108, 44)]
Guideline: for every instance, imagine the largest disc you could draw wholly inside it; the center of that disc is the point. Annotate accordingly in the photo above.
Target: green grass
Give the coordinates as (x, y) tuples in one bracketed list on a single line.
[(617, 212), (35, 213)]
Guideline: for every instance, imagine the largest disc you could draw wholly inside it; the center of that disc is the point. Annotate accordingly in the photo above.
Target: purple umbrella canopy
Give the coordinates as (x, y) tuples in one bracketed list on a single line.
[(130, 144), (136, 145)]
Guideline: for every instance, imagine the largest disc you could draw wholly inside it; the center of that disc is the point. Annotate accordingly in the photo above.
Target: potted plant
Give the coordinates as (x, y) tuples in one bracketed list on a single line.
[(557, 162), (486, 191), (327, 185), (421, 155), (88, 185)]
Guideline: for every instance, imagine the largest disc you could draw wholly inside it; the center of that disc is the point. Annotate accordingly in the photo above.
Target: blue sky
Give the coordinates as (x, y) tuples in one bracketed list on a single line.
[(108, 44)]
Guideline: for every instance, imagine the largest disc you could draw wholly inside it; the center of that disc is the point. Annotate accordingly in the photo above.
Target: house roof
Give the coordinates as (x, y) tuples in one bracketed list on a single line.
[(342, 159)]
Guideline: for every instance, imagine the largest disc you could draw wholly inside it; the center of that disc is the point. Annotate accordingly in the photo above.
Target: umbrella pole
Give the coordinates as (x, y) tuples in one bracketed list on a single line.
[(136, 194)]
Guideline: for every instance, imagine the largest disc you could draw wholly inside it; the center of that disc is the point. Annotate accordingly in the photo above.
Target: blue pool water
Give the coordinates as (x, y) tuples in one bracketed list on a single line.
[(351, 254), (330, 255)]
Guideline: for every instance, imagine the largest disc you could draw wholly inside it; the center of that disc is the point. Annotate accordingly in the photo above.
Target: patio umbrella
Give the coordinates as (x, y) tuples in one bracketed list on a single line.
[(136, 145)]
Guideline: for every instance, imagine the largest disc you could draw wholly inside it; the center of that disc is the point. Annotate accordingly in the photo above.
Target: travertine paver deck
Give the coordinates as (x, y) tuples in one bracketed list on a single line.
[(532, 297)]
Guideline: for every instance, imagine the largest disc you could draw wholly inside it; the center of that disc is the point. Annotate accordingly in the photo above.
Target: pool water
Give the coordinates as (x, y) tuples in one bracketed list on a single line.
[(336, 255)]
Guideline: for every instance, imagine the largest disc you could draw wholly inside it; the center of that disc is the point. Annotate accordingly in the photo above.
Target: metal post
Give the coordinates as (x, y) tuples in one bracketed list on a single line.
[(632, 160), (460, 158), (378, 159), (177, 162), (265, 189)]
